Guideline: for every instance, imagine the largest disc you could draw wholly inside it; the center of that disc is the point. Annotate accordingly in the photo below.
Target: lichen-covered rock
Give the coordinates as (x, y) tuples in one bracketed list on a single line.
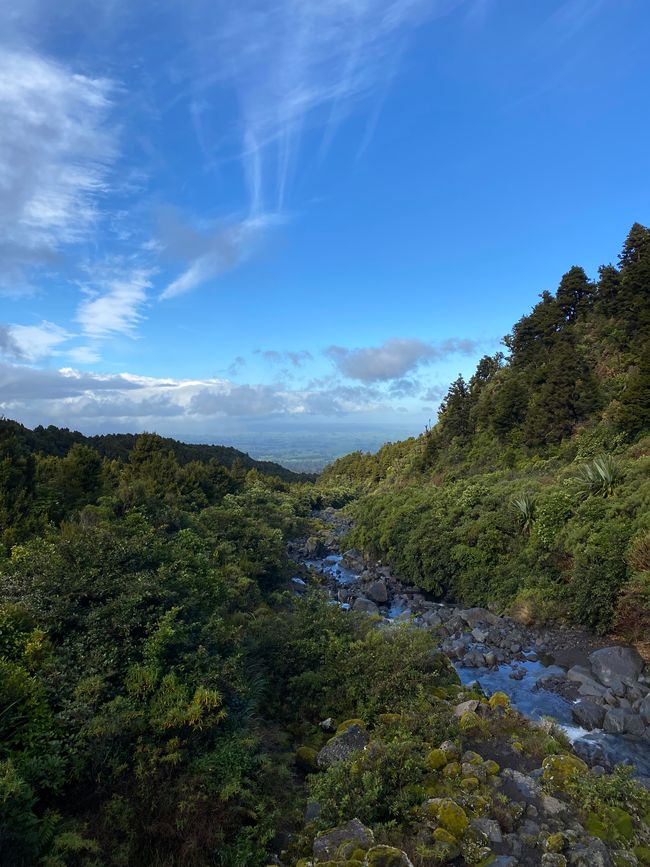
[(555, 842), (558, 770), (450, 749), (387, 856), (342, 746), (328, 843), (453, 769), (442, 835), (345, 725), (307, 759), (449, 816), (491, 768), (436, 759)]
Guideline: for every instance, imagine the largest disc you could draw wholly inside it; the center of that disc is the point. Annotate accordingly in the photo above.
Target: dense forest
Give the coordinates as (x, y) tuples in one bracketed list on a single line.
[(533, 489), (163, 686)]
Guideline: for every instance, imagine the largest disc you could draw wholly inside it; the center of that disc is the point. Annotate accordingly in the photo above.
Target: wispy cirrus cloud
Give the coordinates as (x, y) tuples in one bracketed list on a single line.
[(395, 357), (114, 302), (289, 66), (55, 149)]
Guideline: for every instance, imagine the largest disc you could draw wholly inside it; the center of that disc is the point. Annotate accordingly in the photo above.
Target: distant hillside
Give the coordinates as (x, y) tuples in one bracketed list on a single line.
[(57, 442)]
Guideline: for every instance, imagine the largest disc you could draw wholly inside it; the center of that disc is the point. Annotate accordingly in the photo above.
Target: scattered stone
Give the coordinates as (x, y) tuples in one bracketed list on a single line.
[(327, 843), (489, 827), (341, 747), (465, 706)]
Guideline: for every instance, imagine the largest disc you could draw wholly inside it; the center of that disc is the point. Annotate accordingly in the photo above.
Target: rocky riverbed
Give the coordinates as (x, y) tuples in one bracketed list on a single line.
[(599, 694)]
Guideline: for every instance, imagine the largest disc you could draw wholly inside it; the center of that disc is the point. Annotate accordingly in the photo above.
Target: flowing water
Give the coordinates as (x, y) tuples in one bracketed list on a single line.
[(535, 702)]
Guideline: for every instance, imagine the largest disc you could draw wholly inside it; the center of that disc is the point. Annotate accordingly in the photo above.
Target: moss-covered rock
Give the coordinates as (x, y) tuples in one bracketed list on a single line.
[(470, 784), (491, 768), (436, 759), (452, 817), (453, 769), (386, 856), (345, 725), (472, 758), (442, 835), (559, 770), (555, 842), (306, 759)]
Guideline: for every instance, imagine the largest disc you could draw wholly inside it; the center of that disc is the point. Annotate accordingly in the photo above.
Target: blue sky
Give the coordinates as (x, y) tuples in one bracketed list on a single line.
[(220, 217)]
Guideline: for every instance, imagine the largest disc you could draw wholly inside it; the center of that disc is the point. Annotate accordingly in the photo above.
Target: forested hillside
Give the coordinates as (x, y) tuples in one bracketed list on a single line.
[(533, 489), (57, 442)]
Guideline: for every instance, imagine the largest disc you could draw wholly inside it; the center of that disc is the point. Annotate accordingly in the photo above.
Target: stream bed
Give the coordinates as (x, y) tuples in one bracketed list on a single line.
[(519, 679)]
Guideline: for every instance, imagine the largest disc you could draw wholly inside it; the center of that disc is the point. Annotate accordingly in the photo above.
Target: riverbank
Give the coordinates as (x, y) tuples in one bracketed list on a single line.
[(598, 692)]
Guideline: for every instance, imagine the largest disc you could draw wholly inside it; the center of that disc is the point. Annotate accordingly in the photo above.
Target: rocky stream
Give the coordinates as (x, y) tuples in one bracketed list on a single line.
[(598, 693)]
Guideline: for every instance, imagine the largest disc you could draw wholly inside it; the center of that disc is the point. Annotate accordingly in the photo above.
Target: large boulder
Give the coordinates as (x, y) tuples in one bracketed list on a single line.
[(365, 606), (328, 843), (588, 714), (475, 616), (614, 664), (341, 747), (378, 592)]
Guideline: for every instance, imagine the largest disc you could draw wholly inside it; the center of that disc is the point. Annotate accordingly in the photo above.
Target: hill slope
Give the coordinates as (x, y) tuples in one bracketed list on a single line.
[(57, 442), (532, 491)]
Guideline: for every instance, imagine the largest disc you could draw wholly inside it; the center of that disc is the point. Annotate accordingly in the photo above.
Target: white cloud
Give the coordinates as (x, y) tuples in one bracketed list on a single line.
[(394, 358), (71, 397), (34, 342), (54, 153), (114, 304)]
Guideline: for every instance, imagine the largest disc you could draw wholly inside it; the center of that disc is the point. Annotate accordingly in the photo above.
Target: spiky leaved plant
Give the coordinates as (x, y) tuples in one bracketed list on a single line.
[(524, 506), (601, 476)]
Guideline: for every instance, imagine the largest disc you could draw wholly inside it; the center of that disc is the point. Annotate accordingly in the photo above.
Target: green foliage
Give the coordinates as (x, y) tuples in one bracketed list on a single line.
[(601, 477)]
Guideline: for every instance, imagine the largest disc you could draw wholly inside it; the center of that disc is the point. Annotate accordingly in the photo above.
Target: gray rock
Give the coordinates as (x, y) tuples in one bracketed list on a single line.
[(524, 784), (504, 861), (366, 606), (580, 674), (644, 709), (634, 724), (491, 659), (312, 811), (378, 592), (465, 706), (341, 747), (553, 806), (615, 721), (613, 664), (591, 688), (491, 829), (479, 635), (327, 843), (588, 714), (476, 616)]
